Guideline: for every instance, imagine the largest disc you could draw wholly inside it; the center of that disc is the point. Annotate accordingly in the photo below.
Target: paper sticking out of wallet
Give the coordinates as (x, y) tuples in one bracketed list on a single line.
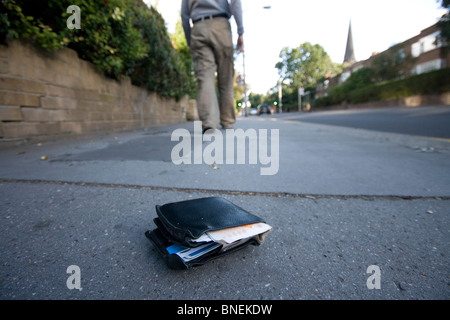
[(231, 235), (227, 238)]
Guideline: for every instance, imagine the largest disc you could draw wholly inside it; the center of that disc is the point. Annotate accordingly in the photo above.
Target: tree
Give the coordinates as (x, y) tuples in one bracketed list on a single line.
[(255, 99), (180, 44), (444, 24), (238, 88), (392, 64), (305, 65), (120, 37), (162, 70)]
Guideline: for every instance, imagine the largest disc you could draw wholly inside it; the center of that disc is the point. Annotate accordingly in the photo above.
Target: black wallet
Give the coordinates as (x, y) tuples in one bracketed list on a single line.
[(192, 232)]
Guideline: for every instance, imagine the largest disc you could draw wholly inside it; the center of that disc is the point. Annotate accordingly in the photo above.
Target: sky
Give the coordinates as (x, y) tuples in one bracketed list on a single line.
[(376, 26)]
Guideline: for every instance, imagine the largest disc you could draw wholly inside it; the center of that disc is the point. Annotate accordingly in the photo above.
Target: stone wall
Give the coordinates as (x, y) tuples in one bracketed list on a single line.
[(413, 101), (49, 94)]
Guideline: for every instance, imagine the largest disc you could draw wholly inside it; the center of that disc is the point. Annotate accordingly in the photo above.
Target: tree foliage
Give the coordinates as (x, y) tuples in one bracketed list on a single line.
[(162, 69), (120, 37), (392, 64), (302, 66), (180, 44), (359, 79), (359, 87), (444, 24), (305, 65)]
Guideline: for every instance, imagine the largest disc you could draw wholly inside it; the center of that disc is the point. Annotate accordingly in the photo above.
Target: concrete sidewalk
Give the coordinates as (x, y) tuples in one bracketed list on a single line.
[(342, 200)]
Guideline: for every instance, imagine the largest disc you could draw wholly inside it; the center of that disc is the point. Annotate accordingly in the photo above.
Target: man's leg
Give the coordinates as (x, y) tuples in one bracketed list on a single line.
[(205, 70), (225, 71)]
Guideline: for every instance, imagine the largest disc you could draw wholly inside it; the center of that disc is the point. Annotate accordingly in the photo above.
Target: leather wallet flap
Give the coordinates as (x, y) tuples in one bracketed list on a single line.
[(187, 220)]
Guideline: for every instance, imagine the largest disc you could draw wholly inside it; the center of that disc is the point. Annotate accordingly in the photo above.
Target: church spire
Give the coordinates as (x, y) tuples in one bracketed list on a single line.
[(349, 50)]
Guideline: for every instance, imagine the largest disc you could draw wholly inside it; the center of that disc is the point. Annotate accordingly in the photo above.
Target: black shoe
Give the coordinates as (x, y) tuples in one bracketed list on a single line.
[(206, 129)]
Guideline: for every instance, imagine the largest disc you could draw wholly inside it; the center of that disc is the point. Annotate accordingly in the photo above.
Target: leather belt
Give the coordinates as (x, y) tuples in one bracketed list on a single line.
[(220, 15)]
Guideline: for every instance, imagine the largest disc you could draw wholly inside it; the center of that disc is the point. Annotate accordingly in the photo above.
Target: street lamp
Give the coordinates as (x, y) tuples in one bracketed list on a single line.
[(301, 92), (280, 96), (245, 84)]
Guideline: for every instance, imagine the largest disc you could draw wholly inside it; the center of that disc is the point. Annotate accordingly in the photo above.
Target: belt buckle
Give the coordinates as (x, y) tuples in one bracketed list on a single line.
[(210, 17)]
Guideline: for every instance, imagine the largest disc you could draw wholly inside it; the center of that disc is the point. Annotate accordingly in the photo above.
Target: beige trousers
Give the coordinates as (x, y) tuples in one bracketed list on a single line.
[(212, 51)]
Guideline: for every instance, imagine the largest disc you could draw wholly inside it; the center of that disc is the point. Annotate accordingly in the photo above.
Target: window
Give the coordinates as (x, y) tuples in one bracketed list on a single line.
[(428, 66), (415, 49), (344, 76), (425, 44)]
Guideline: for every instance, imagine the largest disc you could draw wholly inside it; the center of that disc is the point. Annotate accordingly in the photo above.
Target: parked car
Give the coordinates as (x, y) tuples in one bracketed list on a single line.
[(253, 111), (264, 108)]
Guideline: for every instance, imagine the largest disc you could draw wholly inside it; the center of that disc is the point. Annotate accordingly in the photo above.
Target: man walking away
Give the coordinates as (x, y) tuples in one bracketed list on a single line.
[(211, 45)]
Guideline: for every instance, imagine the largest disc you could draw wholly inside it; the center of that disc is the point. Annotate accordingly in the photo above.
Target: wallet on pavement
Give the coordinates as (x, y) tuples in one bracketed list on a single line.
[(192, 232)]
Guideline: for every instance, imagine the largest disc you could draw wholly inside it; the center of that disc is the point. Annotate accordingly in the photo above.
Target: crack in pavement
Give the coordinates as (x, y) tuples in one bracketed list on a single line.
[(229, 192)]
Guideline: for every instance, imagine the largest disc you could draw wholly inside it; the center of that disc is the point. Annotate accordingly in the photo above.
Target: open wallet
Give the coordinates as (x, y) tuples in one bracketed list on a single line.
[(192, 232)]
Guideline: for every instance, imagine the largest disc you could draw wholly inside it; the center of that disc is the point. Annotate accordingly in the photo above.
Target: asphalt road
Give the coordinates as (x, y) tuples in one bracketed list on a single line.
[(343, 200), (420, 121)]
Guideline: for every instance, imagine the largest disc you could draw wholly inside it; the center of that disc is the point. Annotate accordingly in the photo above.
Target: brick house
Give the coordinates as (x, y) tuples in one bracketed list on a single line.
[(419, 54)]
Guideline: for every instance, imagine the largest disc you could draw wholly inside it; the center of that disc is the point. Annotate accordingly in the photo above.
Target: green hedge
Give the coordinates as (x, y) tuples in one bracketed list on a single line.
[(120, 37), (434, 82)]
